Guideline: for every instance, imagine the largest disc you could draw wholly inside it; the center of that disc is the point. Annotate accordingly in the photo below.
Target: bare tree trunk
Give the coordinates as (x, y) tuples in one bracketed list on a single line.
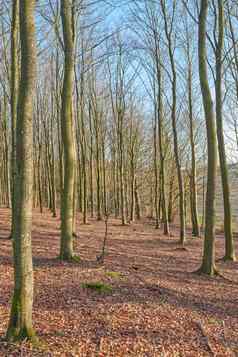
[(6, 152), (121, 168), (156, 201), (137, 202), (98, 171), (52, 154), (208, 262), (105, 208), (67, 131), (20, 324), (91, 165), (229, 244), (132, 174), (82, 135), (193, 193), (161, 149), (168, 33), (14, 91)]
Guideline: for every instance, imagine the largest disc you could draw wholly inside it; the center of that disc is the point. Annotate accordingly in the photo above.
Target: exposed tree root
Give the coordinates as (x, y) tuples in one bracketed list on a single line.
[(25, 334), (72, 259), (215, 273), (212, 273), (229, 259)]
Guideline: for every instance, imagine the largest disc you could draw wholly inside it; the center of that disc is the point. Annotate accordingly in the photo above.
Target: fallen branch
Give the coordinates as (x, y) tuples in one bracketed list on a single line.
[(204, 334)]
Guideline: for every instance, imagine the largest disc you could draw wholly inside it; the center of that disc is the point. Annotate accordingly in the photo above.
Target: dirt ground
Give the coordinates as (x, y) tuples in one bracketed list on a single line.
[(157, 306)]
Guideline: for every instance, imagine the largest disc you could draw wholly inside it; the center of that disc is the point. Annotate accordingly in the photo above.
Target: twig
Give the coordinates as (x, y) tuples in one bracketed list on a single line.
[(203, 331)]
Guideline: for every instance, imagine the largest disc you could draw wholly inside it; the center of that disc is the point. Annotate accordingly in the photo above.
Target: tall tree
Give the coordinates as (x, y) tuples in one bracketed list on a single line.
[(193, 175), (161, 148), (67, 130), (14, 90), (208, 261), (169, 30), (229, 244), (20, 324)]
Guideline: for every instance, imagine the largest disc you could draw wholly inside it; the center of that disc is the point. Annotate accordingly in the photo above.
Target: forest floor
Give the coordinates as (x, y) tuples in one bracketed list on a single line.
[(156, 307)]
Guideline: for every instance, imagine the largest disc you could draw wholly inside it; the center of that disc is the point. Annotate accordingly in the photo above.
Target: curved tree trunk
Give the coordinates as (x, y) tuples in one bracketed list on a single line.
[(208, 262)]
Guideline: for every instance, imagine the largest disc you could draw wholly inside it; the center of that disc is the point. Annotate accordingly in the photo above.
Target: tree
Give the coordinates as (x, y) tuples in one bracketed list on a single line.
[(20, 324), (67, 131), (229, 244), (208, 261), (168, 34), (14, 89), (193, 175)]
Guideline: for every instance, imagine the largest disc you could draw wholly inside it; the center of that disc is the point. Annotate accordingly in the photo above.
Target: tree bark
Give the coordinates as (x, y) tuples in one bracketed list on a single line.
[(208, 261), (14, 91), (67, 131), (20, 324), (229, 244), (193, 179), (168, 33)]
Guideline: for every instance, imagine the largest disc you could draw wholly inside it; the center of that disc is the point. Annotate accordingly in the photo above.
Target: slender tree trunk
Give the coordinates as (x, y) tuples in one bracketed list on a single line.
[(121, 168), (59, 134), (105, 208), (52, 162), (137, 202), (161, 150), (6, 153), (156, 175), (91, 165), (117, 212), (82, 139), (193, 193), (67, 131), (39, 183), (133, 180), (171, 199), (98, 175), (174, 127), (229, 244)]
